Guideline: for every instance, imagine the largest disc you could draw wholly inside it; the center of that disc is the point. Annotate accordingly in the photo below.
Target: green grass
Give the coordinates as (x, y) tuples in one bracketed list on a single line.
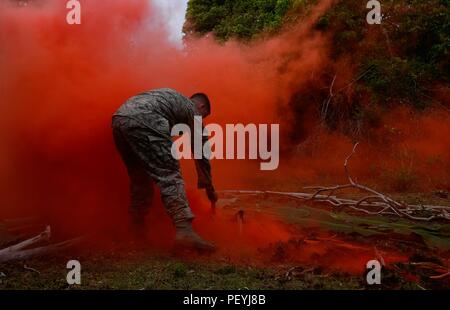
[(138, 270)]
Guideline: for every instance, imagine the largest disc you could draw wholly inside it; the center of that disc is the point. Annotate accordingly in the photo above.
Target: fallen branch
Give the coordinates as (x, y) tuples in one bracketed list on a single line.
[(18, 251), (441, 270), (375, 203), (31, 269)]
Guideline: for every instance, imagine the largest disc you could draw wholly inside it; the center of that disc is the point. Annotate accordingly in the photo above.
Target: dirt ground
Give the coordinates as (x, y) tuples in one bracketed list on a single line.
[(309, 247)]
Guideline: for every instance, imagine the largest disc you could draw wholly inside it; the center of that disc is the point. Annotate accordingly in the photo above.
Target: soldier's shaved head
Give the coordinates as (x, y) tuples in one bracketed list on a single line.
[(202, 103)]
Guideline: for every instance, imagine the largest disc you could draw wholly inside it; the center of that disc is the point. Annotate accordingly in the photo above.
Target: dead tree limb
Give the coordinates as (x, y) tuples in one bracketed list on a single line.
[(441, 270), (43, 236), (327, 102), (375, 203), (18, 251)]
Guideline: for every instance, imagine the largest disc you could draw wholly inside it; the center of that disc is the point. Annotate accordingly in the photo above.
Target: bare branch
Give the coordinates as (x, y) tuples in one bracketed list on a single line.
[(43, 236), (375, 203), (18, 251)]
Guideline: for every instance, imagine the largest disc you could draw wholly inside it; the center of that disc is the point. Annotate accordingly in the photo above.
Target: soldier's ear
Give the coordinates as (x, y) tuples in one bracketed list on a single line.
[(206, 111), (200, 106)]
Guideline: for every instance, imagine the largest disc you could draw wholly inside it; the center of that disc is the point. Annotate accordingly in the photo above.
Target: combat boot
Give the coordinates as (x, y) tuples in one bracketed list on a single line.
[(186, 237)]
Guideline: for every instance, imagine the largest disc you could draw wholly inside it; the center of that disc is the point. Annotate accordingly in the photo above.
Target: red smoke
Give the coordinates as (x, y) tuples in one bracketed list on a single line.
[(61, 83)]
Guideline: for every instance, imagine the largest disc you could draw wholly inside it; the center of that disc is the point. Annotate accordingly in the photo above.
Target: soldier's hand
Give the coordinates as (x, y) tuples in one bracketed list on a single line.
[(211, 193)]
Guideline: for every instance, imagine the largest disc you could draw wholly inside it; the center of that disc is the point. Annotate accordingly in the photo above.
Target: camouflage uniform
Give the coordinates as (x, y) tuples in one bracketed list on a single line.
[(141, 129)]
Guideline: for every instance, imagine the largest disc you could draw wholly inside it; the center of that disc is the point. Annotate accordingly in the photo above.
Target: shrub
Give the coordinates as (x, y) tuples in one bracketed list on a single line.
[(243, 19)]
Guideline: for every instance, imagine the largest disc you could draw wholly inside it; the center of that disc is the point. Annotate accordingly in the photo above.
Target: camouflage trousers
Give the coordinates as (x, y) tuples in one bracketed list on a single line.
[(147, 156)]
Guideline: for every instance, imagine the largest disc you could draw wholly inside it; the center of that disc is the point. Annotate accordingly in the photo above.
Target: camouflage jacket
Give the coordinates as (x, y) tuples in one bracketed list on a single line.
[(161, 109)]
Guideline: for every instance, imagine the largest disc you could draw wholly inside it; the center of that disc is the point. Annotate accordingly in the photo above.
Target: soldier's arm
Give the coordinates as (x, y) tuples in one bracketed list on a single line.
[(203, 167)]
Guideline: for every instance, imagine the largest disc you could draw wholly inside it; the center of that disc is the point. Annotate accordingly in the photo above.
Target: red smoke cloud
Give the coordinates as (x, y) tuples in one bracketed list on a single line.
[(61, 83)]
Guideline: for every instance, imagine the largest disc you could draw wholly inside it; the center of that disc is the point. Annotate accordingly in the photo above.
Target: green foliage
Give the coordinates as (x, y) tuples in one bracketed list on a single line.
[(421, 39), (398, 62), (404, 56), (243, 19), (323, 23), (345, 21), (423, 35), (399, 79)]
